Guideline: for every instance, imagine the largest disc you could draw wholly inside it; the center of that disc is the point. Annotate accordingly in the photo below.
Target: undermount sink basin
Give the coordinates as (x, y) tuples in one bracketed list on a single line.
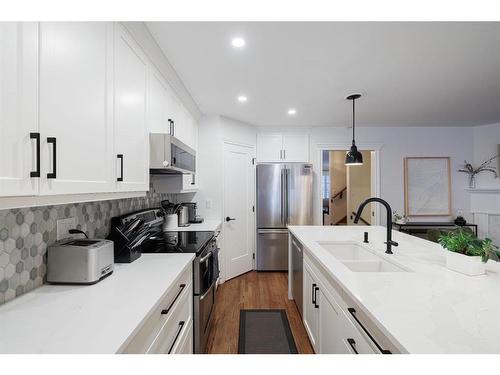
[(348, 251), (373, 266), (359, 259)]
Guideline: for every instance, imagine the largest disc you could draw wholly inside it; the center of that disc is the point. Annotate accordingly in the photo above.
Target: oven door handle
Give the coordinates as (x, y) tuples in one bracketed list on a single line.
[(205, 258), (202, 297)]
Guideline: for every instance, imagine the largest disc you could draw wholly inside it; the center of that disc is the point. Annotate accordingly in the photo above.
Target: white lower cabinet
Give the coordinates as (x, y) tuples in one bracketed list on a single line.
[(332, 332), (169, 329), (311, 308), (326, 321), (185, 345)]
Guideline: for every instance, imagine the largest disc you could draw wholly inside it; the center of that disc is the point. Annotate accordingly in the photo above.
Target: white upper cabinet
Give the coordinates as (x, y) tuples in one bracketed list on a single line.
[(296, 147), (77, 103), (158, 101), (75, 121), (184, 127), (282, 147), (269, 147), (18, 108), (131, 133)]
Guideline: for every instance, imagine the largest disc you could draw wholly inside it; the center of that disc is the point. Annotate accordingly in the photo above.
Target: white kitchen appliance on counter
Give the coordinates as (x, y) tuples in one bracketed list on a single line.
[(79, 261)]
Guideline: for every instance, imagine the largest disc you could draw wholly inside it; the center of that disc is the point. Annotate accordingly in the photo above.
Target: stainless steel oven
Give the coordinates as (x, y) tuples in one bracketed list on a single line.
[(204, 281), (205, 263)]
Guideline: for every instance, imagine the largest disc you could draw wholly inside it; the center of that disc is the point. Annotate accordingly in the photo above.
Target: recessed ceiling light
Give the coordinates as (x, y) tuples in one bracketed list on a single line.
[(242, 98), (292, 111), (238, 42)]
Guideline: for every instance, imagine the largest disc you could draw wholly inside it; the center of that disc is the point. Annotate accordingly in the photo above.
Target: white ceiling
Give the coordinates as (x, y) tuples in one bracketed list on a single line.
[(410, 74)]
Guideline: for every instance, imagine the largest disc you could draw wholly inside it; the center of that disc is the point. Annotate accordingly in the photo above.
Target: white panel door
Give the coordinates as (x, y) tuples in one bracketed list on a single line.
[(158, 114), (269, 147), (75, 98), (311, 307), (18, 108), (238, 214), (131, 136), (296, 147)]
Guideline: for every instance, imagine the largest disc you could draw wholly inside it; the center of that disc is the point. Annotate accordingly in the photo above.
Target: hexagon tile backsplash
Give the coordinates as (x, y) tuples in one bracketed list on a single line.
[(25, 234)]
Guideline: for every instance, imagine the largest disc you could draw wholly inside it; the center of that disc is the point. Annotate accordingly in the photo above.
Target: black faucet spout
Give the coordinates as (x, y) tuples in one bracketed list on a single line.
[(390, 243)]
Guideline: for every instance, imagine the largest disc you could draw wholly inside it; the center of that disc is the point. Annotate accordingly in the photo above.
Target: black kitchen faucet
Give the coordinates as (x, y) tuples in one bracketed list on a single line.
[(389, 241)]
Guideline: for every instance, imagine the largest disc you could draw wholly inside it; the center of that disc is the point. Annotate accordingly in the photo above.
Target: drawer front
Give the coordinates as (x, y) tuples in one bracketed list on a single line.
[(185, 345), (176, 326), (143, 339), (354, 340)]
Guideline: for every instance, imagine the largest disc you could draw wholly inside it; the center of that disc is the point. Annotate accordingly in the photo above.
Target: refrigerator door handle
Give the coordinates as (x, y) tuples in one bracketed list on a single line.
[(287, 218), (282, 196)]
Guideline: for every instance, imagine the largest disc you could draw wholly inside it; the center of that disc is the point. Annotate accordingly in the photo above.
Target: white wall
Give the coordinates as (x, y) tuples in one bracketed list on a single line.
[(396, 143), (213, 132), (486, 141)]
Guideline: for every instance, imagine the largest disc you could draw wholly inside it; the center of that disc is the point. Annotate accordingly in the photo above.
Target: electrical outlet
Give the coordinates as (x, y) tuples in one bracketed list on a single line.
[(208, 203), (63, 227)]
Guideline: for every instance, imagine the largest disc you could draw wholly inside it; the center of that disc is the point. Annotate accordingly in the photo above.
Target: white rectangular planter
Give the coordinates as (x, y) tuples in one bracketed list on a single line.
[(471, 266)]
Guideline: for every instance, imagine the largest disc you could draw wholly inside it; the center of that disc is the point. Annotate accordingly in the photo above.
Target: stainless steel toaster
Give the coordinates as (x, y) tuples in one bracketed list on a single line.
[(79, 261)]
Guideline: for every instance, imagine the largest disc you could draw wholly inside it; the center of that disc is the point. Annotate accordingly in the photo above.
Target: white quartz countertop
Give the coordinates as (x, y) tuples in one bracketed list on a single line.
[(92, 319), (206, 226), (428, 310)]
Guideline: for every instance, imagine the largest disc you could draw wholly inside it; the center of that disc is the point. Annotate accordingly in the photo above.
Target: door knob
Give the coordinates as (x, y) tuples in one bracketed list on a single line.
[(229, 218)]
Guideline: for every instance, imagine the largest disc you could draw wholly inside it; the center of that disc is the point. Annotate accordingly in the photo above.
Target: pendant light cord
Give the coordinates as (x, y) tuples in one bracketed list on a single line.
[(353, 120)]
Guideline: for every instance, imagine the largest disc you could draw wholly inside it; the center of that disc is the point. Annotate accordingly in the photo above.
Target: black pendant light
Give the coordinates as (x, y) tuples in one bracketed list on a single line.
[(353, 156)]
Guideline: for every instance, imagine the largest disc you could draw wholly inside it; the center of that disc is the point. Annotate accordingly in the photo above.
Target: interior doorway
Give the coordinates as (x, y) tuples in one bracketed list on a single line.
[(343, 188)]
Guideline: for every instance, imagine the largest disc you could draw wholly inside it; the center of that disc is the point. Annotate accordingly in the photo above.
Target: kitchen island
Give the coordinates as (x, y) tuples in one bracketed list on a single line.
[(407, 302)]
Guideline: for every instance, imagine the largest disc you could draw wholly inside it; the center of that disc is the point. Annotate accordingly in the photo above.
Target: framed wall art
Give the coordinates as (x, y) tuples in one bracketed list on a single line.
[(427, 186)]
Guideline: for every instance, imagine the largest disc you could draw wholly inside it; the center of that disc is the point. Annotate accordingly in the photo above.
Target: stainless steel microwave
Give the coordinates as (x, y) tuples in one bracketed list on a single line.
[(168, 155)]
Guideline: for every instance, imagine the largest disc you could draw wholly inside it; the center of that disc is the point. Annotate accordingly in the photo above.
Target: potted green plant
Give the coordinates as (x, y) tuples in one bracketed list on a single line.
[(465, 253)]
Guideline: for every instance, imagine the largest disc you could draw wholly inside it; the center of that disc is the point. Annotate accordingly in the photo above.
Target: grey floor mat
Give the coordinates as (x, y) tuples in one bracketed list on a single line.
[(265, 332)]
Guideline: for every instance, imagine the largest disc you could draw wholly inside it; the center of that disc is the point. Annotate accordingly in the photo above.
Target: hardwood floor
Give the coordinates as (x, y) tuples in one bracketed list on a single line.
[(253, 290)]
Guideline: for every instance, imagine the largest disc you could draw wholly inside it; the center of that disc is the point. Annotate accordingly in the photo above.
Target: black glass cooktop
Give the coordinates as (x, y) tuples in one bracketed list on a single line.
[(178, 242)]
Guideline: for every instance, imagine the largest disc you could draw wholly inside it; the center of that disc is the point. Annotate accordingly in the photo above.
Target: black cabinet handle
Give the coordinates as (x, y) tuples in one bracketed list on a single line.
[(192, 179), (166, 311), (230, 218), (36, 136), (316, 304), (53, 174), (313, 294), (352, 344), (352, 311), (120, 156), (181, 324), (171, 130), (172, 126)]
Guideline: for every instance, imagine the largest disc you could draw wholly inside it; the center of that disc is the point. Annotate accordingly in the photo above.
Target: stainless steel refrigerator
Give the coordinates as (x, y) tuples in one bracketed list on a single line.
[(284, 197)]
